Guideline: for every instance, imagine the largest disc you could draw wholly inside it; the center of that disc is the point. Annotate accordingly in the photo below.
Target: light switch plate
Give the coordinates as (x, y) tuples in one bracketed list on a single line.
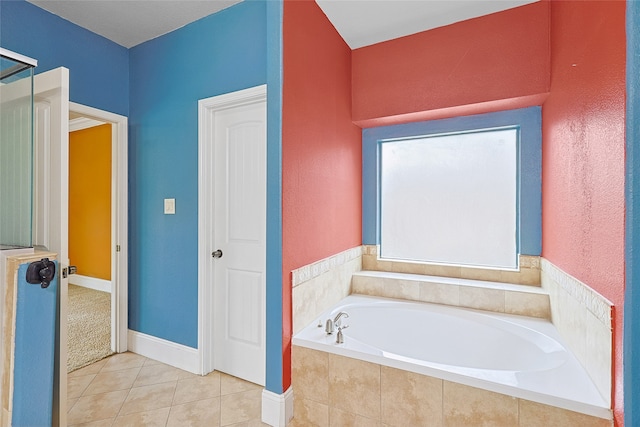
[(169, 206)]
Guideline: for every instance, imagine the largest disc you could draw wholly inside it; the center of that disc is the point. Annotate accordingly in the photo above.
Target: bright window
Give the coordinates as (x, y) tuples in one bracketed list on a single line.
[(451, 198)]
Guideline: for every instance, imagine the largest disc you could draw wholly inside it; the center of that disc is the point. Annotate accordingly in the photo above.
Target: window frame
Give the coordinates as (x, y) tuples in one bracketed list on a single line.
[(529, 183)]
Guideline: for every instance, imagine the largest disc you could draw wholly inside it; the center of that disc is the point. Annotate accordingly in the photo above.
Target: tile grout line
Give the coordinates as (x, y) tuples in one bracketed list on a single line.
[(380, 376), (442, 403), (125, 399), (173, 398), (129, 390), (175, 389), (220, 397)]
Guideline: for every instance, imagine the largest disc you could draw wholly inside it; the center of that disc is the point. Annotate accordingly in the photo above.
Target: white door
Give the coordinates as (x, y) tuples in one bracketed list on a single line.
[(239, 234), (51, 204)]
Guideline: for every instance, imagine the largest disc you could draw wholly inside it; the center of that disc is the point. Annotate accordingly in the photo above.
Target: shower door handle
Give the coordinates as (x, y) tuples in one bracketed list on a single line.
[(41, 272), (217, 254)]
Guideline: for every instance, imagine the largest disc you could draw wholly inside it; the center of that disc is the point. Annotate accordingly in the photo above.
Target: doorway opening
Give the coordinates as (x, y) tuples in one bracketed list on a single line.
[(110, 210), (90, 241), (46, 154)]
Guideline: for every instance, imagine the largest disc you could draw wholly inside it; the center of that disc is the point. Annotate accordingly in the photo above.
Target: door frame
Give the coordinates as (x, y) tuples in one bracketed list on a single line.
[(119, 222), (207, 109), (53, 87)]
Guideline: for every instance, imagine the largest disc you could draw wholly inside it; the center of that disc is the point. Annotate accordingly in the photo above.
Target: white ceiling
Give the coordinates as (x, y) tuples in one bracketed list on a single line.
[(131, 22), (366, 22), (359, 22)]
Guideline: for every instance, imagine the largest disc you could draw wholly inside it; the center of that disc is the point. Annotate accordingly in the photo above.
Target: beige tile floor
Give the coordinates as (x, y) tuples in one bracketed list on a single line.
[(131, 390)]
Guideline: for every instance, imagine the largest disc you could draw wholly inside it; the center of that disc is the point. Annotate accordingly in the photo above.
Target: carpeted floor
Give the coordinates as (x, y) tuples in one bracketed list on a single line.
[(89, 326)]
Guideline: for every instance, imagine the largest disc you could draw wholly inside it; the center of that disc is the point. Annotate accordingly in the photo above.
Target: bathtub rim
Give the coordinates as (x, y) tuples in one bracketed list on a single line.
[(595, 409)]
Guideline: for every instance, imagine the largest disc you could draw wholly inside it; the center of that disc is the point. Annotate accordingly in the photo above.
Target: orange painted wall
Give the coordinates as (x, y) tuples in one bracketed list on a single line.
[(90, 201), (321, 150), (584, 154), (495, 62)]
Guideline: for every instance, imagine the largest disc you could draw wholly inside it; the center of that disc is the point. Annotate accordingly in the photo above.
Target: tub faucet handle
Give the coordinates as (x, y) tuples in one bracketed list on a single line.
[(340, 336), (329, 327)]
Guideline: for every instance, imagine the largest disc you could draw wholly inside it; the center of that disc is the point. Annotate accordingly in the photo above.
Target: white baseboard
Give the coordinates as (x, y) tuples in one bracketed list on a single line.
[(277, 409), (173, 354), (90, 282)]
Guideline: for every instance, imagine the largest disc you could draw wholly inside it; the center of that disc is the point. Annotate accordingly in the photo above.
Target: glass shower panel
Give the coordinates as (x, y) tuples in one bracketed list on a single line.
[(16, 142)]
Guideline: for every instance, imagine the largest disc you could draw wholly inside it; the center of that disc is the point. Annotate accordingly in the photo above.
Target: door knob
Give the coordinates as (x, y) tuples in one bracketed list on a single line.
[(217, 254), (41, 272)]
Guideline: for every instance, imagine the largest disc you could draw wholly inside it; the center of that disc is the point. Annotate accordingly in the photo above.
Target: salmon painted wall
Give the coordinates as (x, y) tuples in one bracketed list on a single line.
[(321, 150), (583, 160), (90, 201), (495, 62)]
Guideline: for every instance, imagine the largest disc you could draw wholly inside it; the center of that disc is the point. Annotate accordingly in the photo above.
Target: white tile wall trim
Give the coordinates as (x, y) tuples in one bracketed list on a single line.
[(311, 271), (598, 305)]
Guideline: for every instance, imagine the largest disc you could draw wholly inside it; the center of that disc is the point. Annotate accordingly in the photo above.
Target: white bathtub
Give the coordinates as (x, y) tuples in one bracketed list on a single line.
[(513, 355)]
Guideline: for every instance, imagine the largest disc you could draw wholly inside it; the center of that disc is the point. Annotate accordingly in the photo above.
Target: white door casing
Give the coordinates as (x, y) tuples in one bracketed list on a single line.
[(232, 218), (52, 88), (119, 224)]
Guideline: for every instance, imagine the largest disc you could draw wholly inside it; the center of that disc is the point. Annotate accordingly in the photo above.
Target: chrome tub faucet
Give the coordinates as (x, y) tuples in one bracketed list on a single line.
[(334, 323), (338, 319)]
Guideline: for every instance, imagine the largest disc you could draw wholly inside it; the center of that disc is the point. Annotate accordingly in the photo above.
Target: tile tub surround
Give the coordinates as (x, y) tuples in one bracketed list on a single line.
[(583, 319), (334, 390), (527, 274), (12, 263), (513, 355), (320, 285), (477, 294)]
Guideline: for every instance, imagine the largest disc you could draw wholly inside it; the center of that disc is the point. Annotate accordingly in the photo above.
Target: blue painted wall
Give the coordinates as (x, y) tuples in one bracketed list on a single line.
[(274, 381), (36, 313), (98, 68), (632, 238), (221, 53), (157, 84), (529, 120)]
